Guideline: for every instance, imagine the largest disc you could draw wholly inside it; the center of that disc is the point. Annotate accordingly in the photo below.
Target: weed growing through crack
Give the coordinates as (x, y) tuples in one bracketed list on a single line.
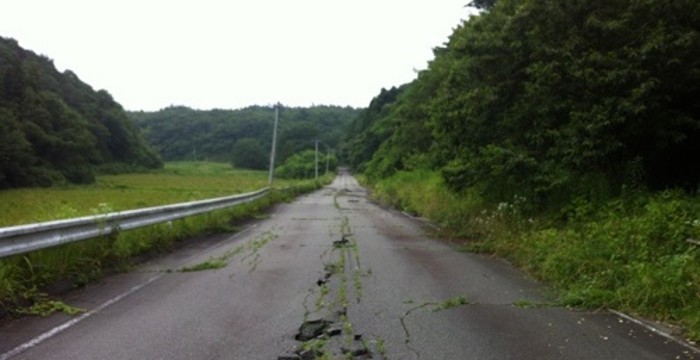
[(211, 264), (451, 303), (333, 268), (347, 329), (233, 252), (342, 291), (254, 246), (338, 194), (381, 347), (316, 348), (357, 282), (320, 301), (357, 274), (221, 261)]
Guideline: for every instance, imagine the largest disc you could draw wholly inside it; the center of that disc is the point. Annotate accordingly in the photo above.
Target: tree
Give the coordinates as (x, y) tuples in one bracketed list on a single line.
[(176, 131), (302, 165), (483, 4), (549, 100), (248, 153), (55, 128)]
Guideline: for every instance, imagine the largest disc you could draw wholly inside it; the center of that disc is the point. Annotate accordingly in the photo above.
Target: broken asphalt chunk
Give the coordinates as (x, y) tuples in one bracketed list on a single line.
[(358, 351), (333, 331), (342, 242), (311, 329), (309, 354)]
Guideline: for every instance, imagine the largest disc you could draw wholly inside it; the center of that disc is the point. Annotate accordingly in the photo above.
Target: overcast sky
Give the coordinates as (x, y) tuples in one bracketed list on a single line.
[(205, 54)]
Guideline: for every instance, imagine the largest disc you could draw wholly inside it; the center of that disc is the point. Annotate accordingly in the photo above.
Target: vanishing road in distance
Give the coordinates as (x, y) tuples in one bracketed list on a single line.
[(330, 275)]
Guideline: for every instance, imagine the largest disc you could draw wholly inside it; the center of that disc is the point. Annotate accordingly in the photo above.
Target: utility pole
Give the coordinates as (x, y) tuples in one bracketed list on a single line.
[(274, 145), (316, 142)]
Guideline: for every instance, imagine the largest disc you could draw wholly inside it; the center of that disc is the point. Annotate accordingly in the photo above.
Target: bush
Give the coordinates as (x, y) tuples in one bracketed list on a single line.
[(303, 165)]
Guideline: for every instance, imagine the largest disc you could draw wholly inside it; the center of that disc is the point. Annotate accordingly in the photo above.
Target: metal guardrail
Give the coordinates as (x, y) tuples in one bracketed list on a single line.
[(21, 239)]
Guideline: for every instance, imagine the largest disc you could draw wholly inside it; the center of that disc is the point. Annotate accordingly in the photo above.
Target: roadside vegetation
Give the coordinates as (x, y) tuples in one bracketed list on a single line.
[(561, 136), (302, 165), (29, 281), (628, 253)]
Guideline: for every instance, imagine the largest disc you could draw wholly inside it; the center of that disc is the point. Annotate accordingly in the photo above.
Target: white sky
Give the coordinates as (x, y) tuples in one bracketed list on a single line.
[(206, 54)]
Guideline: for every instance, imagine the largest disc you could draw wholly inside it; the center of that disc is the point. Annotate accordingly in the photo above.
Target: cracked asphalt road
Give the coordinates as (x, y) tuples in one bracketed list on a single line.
[(407, 295)]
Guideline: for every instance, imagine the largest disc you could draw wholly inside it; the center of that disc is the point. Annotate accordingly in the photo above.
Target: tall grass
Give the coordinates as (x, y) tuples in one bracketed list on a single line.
[(26, 279), (177, 182), (628, 253)]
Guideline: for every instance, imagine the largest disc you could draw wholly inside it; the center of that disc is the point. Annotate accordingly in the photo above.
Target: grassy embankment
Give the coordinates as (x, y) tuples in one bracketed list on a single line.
[(24, 279), (628, 253)]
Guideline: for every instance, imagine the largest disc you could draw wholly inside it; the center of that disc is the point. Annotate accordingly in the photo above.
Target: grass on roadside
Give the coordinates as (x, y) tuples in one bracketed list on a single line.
[(26, 279), (176, 182), (627, 253)]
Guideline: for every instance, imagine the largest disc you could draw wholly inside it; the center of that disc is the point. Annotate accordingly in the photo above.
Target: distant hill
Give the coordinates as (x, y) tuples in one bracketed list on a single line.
[(181, 133), (55, 128)]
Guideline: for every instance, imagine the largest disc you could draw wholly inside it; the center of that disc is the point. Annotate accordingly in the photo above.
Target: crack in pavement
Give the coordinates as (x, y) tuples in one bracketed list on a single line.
[(437, 306), (319, 335), (454, 302), (407, 334)]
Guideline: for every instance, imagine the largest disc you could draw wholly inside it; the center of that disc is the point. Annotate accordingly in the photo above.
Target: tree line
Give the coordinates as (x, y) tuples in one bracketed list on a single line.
[(550, 100), (242, 136), (54, 128)]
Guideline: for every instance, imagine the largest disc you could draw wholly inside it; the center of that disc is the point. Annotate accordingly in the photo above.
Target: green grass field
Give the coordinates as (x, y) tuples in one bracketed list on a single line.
[(176, 182), (25, 279)]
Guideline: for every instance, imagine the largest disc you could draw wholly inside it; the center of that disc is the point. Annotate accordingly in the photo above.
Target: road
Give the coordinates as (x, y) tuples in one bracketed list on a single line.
[(371, 279)]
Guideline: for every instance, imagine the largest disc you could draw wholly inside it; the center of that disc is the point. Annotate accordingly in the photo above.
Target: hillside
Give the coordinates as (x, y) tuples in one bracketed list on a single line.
[(181, 133), (54, 128), (540, 98)]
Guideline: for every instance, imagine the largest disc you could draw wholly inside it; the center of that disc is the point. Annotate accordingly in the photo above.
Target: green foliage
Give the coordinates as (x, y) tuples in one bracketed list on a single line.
[(530, 97), (454, 302), (303, 165), (180, 133), (212, 264), (482, 4), (46, 307), (176, 182), (55, 128), (629, 254), (368, 130), (248, 153)]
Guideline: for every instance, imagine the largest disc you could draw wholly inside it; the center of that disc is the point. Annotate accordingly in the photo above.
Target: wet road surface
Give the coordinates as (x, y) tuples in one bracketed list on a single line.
[(370, 281)]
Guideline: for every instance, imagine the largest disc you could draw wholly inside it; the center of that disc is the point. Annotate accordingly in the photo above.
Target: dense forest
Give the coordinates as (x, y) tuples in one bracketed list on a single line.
[(242, 136), (54, 128), (562, 135), (549, 100)]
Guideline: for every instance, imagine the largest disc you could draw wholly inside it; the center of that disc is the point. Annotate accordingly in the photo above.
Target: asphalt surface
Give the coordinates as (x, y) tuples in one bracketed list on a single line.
[(373, 275)]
